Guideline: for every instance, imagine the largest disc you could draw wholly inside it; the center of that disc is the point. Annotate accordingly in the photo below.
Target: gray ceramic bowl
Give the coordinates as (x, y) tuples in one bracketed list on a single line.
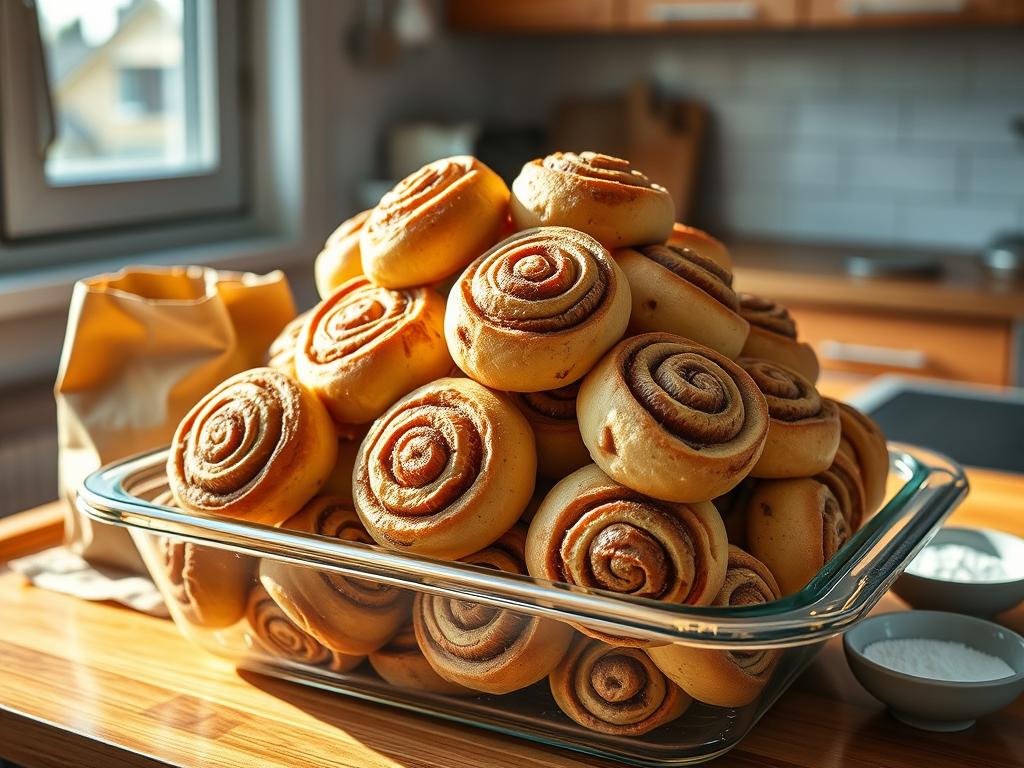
[(936, 705), (977, 598)]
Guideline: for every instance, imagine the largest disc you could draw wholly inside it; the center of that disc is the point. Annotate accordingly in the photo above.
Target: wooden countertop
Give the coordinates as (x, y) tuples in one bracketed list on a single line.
[(962, 290), (94, 684)]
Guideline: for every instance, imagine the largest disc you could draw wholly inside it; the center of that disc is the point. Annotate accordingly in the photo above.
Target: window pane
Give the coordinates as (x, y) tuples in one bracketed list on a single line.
[(131, 82)]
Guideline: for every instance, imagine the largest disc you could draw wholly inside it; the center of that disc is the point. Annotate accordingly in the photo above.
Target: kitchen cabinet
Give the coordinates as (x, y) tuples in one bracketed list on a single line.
[(593, 16), (532, 15), (665, 15), (868, 13), (867, 343)]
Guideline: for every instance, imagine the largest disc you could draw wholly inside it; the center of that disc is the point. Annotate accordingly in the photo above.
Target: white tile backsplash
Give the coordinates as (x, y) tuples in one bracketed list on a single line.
[(877, 137)]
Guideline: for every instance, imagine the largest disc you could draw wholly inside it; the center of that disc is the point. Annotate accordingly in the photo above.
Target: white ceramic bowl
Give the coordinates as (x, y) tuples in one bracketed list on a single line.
[(936, 705)]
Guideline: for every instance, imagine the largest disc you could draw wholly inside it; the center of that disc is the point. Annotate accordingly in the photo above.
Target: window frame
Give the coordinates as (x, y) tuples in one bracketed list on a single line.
[(32, 207)]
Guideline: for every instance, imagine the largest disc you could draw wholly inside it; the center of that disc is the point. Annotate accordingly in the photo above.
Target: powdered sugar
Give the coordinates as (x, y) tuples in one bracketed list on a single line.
[(958, 562), (937, 660)]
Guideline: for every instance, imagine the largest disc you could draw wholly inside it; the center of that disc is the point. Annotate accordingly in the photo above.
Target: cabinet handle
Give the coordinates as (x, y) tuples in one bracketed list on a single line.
[(897, 7), (843, 352), (737, 10)]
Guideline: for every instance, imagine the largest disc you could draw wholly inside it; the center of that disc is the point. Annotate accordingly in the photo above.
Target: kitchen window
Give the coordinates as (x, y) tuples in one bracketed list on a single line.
[(118, 112)]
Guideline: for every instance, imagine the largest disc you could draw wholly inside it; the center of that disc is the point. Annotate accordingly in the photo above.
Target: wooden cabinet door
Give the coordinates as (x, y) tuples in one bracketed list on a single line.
[(868, 343), (531, 15), (654, 15), (857, 13)]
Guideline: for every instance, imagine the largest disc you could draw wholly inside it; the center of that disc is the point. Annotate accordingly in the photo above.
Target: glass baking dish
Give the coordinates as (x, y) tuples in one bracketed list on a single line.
[(923, 489)]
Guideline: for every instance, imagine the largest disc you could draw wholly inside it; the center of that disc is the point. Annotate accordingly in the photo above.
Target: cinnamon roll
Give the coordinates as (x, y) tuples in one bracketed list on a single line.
[(351, 616), (844, 480), (446, 471), (433, 223), (537, 310), (552, 415), (592, 532), (281, 354), (340, 260), (678, 290), (726, 678), (618, 691), (803, 428), (672, 419), (401, 663), (700, 242), (863, 441), (794, 527), (364, 347), (339, 482), (274, 634), (258, 447), (601, 195), (209, 585), (773, 336), (484, 648)]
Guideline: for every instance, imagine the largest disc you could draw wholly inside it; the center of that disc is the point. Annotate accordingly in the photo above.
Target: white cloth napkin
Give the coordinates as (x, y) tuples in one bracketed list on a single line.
[(60, 570)]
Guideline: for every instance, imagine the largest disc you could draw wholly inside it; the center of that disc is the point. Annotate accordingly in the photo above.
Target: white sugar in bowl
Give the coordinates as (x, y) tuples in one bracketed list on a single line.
[(975, 571)]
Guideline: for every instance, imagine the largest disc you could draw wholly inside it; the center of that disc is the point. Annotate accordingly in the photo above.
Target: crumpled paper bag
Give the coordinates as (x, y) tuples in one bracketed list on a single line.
[(142, 347)]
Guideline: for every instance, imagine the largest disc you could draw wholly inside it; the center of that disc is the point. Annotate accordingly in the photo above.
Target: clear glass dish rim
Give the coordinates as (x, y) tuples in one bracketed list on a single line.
[(842, 592)]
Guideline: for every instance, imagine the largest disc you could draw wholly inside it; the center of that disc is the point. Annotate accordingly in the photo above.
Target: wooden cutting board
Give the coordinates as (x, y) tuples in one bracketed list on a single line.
[(662, 137)]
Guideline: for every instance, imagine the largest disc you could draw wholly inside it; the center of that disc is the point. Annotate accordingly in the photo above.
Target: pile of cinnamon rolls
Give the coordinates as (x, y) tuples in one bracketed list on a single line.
[(554, 380)]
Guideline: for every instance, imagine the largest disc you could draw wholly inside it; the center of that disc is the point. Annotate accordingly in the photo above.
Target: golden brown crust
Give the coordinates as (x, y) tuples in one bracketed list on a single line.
[(671, 418), (537, 310), (618, 691), (402, 664), (258, 447), (803, 428), (340, 259), (593, 532), (726, 678), (446, 471), (281, 354), (433, 223), (700, 241), (677, 290), (351, 616), (209, 585), (364, 347), (552, 415), (274, 634), (339, 482), (844, 480), (601, 195), (864, 442), (485, 648), (773, 336), (794, 527)]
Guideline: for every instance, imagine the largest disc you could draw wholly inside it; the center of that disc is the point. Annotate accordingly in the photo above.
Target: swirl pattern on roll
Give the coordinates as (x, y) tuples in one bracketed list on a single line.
[(281, 354), (594, 165), (618, 691), (486, 648), (401, 663), (257, 447), (417, 190), (789, 395), (348, 615), (767, 315), (366, 346), (671, 418), (446, 470), (536, 311), (542, 281), (703, 272), (275, 634), (726, 678), (844, 480), (593, 532)]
